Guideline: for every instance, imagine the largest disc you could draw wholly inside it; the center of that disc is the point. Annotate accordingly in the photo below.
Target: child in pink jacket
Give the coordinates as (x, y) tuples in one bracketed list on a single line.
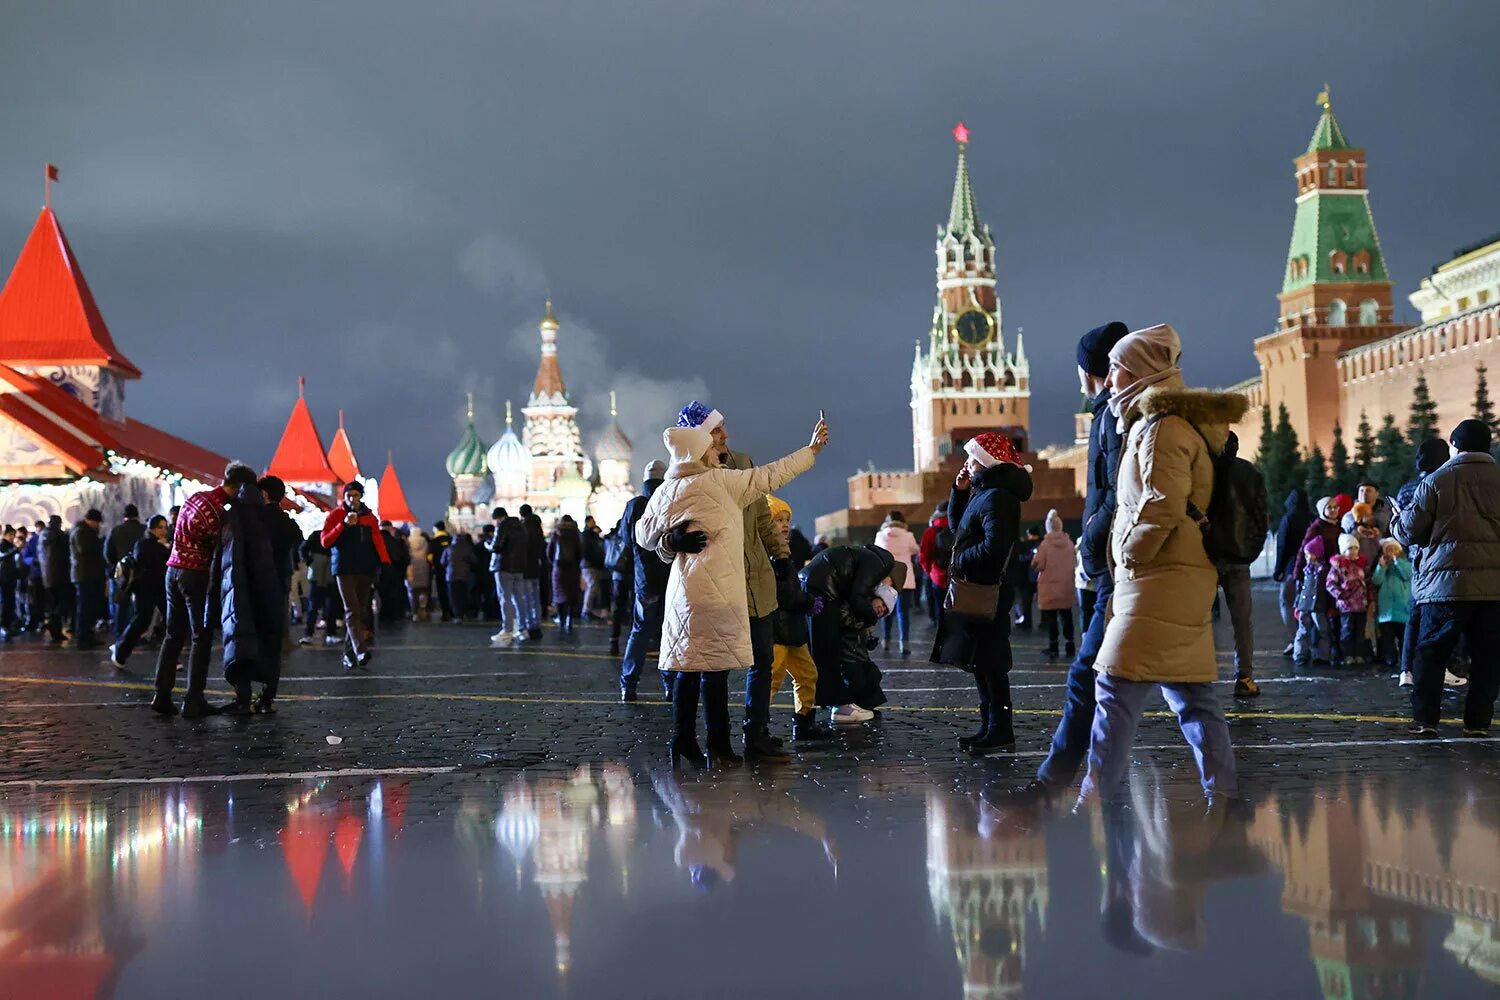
[(1349, 587), (1053, 566)]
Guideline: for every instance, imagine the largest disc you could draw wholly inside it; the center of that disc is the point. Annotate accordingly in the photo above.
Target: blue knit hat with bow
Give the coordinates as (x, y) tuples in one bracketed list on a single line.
[(695, 414)]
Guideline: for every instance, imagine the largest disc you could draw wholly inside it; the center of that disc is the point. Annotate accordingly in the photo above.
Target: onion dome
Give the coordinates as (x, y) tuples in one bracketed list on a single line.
[(509, 461), (468, 458), (614, 445), (517, 826)]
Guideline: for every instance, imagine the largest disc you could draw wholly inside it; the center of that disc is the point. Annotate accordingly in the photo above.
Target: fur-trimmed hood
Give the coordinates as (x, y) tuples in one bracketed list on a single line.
[(1213, 413)]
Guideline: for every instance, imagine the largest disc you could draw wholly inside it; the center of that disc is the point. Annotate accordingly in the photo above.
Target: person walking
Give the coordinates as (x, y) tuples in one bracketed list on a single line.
[(437, 544), (707, 620), (418, 576), (253, 602), (117, 545), (1070, 742), (619, 561), (933, 555), (565, 551), (896, 538), (1055, 595), (460, 562), (1454, 516), (535, 571), (1160, 632), (1234, 573), (508, 565), (985, 506), (651, 577), (148, 587), (55, 567), (595, 579), (1022, 579), (322, 592), (391, 583), (1432, 455), (793, 657), (190, 592), (89, 572), (352, 536), (1291, 533), (761, 542)]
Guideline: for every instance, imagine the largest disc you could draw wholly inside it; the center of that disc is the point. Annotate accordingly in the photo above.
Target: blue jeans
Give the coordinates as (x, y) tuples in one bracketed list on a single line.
[(901, 613), (510, 592), (120, 604), (1117, 715), (758, 677), (532, 610), (645, 633), (1071, 741)]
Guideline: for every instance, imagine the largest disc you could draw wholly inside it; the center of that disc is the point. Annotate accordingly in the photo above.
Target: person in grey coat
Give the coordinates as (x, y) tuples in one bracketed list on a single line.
[(1454, 516)]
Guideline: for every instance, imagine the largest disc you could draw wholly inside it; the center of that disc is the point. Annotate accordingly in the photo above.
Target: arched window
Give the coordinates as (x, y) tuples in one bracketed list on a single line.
[(1337, 313), (1362, 262), (1369, 312), (1349, 174), (1339, 261), (1333, 174)]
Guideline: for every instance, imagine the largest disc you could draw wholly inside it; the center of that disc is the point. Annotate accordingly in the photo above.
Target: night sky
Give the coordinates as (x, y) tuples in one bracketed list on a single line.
[(734, 201)]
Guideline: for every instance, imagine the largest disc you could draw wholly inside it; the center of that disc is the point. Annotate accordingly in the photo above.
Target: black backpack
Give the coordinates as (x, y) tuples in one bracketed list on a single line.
[(1234, 526), (619, 554), (942, 548)]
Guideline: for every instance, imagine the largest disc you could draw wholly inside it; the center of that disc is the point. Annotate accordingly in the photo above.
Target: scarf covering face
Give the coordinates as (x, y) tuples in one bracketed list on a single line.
[(1150, 355)]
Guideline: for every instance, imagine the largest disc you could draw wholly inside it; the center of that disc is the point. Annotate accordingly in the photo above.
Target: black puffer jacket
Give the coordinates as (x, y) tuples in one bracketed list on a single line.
[(88, 554), (122, 539), (988, 516), (54, 556), (508, 548), (1105, 446), (536, 548), (1290, 532), (149, 568), (651, 573), (792, 605), (845, 578), (286, 539), (253, 602)]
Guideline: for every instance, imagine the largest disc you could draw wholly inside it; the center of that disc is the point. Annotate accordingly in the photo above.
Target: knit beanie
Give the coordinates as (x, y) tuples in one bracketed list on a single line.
[(1432, 455), (990, 449), (887, 594), (1471, 435), (1094, 347), (1344, 500), (695, 414), (655, 469), (1349, 543), (1328, 508), (1315, 548), (779, 506)]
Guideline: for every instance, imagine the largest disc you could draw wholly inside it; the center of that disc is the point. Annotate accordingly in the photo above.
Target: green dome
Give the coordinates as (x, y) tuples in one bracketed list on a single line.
[(468, 458)]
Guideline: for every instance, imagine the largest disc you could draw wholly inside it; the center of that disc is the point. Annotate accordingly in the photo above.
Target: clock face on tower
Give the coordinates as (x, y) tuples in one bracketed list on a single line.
[(974, 327)]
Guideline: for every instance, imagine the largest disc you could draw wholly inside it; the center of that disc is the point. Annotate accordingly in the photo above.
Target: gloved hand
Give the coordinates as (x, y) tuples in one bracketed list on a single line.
[(818, 605), (683, 539), (870, 641)]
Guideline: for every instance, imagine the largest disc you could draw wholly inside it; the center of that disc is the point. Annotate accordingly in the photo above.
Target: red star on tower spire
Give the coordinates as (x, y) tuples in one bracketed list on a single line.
[(961, 134)]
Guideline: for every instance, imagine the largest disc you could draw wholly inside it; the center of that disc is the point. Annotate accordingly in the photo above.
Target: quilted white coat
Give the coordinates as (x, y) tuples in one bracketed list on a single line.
[(707, 614)]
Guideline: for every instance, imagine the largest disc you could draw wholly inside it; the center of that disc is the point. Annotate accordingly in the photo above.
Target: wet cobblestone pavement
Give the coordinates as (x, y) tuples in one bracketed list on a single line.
[(493, 822)]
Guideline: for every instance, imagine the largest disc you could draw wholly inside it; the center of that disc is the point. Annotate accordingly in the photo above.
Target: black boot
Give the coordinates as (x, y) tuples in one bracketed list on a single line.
[(1000, 736), (684, 745), (716, 715), (807, 729), (965, 742)]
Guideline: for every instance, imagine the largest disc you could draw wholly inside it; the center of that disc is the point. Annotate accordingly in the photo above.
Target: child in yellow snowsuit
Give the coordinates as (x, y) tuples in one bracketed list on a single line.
[(790, 624)]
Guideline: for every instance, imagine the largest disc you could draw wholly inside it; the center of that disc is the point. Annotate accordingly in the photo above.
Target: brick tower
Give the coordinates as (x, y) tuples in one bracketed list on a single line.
[(1336, 294), (966, 381)]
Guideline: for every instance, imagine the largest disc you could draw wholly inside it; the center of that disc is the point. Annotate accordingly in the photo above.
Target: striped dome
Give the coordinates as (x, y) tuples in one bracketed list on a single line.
[(510, 464), (468, 458), (614, 445), (516, 829)]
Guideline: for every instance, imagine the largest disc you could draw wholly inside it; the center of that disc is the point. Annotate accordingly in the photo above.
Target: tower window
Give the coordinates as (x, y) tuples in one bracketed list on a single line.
[(1369, 312), (1337, 313), (1349, 175), (1333, 174), (1362, 262), (1338, 261)]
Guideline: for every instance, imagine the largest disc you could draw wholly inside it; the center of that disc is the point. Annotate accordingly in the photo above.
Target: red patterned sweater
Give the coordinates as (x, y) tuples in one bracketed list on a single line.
[(197, 532)]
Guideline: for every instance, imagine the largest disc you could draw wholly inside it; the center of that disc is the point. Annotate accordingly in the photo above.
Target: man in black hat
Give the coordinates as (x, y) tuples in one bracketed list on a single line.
[(1071, 741), (1454, 517), (89, 573)]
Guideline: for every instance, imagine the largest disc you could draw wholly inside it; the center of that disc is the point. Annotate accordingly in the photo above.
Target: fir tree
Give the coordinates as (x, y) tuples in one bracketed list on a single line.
[(1393, 457), (1422, 423), (1364, 448), (1484, 409), (1315, 475), (1278, 457), (1338, 462)]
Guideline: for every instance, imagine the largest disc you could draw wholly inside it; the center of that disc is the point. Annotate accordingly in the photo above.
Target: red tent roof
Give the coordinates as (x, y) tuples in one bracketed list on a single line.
[(170, 452), (47, 313), (300, 457), (341, 455), (392, 499), (304, 843)]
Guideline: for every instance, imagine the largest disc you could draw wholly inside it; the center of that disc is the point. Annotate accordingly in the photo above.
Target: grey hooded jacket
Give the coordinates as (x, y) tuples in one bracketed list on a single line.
[(1454, 517)]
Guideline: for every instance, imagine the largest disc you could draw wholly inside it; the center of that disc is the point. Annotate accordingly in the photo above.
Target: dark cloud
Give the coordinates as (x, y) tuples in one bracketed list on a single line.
[(734, 199)]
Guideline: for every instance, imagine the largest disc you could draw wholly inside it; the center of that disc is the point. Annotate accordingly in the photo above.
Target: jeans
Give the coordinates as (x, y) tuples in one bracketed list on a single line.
[(1117, 715), (91, 607), (317, 604), (935, 595), (1234, 580), (146, 602), (533, 610), (900, 616), (1287, 595), (120, 603), (1409, 641), (508, 587), (622, 597), (593, 590), (1053, 619), (187, 615), (1443, 625), (1071, 741), (645, 635), (758, 677), (1352, 634), (354, 589)]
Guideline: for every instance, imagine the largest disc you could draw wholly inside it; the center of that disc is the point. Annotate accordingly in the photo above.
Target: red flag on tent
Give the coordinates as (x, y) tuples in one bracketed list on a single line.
[(51, 172)]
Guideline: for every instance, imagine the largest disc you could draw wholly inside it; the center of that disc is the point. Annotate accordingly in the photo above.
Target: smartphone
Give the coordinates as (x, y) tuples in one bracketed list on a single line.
[(822, 416)]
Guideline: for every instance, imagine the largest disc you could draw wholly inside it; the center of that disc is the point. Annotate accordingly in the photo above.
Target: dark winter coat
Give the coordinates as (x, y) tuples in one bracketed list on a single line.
[(149, 575), (565, 552), (651, 573), (536, 548), (122, 539), (1291, 532), (508, 548), (252, 599), (1329, 531), (357, 550), (1018, 575), (593, 549), (319, 563), (1454, 517), (286, 540), (56, 559), (460, 559), (88, 554), (10, 564), (1103, 471), (988, 519), (844, 578), (792, 605), (800, 548)]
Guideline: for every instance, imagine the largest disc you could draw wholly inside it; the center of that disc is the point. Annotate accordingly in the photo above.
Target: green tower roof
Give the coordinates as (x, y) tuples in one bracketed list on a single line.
[(963, 214), (467, 459), (1328, 134)]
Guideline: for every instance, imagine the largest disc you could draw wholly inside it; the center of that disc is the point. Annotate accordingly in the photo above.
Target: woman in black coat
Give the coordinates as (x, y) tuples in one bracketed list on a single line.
[(1295, 519), (985, 508), (845, 578), (253, 603), (565, 553)]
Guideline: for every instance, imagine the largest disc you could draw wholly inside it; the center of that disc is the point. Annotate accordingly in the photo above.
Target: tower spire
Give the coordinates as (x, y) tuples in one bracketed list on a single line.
[(508, 417), (963, 214), (468, 395), (613, 409)]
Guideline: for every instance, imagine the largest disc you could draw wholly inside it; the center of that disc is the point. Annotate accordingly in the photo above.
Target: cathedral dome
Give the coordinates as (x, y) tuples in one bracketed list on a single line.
[(613, 446), (509, 462), (468, 458)]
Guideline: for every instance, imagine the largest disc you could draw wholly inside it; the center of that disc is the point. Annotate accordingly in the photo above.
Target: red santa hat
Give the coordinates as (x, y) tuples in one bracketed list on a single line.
[(990, 449)]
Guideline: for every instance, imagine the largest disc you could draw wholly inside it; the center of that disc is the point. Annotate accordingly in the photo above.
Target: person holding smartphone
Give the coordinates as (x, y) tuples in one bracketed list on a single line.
[(352, 534)]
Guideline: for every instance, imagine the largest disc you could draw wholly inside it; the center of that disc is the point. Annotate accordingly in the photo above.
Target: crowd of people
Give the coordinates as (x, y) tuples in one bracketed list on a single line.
[(705, 571)]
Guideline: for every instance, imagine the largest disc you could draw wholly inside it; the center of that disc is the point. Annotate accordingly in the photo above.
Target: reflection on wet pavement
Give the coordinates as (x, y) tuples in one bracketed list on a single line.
[(616, 880)]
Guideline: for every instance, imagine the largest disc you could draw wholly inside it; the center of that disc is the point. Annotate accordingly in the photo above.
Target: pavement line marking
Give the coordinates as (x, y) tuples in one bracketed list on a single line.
[(343, 772)]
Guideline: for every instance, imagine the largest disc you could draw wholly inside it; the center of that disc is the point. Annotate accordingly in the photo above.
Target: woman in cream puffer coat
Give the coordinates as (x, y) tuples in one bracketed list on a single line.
[(706, 626)]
